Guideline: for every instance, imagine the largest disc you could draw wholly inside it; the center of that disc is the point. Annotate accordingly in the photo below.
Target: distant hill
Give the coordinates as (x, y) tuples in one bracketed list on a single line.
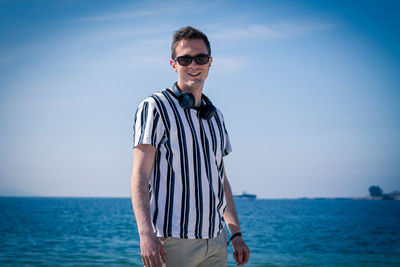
[(15, 192)]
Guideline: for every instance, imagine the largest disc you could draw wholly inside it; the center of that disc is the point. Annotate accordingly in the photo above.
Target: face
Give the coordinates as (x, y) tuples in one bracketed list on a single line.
[(191, 77)]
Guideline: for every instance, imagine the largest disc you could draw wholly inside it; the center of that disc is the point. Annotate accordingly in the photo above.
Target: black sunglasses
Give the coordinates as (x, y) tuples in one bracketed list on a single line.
[(200, 59)]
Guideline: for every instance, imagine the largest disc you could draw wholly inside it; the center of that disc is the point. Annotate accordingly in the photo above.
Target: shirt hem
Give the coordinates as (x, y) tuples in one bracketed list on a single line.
[(190, 236)]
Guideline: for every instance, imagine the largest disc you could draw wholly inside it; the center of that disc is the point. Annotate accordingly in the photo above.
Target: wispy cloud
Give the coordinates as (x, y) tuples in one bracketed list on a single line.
[(119, 16), (253, 31), (274, 31), (290, 29), (132, 13)]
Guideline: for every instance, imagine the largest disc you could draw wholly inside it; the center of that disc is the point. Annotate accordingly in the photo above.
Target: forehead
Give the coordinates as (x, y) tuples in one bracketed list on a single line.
[(191, 47)]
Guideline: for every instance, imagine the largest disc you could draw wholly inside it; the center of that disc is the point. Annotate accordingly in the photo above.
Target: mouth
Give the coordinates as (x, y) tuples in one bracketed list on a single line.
[(194, 74)]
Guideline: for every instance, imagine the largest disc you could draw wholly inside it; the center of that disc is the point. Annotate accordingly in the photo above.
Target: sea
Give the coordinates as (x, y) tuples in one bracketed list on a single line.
[(40, 231)]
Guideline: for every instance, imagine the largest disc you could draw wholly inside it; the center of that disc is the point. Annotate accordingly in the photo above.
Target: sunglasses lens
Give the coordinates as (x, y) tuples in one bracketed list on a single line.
[(185, 61), (201, 59)]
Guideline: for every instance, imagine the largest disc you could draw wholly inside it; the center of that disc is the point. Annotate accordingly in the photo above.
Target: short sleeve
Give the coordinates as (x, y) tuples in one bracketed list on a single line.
[(228, 146), (148, 127)]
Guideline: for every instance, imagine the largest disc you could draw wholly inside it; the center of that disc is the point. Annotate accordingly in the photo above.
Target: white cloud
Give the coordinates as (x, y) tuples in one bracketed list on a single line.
[(118, 32), (120, 15), (254, 31), (132, 13), (275, 31), (290, 29)]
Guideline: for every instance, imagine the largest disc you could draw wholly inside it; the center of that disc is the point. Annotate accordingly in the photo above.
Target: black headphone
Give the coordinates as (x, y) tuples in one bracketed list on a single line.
[(187, 101)]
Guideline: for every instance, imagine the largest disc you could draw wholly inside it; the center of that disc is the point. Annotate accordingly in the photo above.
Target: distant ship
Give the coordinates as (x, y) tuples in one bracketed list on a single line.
[(244, 195)]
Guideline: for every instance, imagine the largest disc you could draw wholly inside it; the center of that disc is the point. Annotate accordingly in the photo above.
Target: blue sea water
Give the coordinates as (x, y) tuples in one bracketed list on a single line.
[(102, 231)]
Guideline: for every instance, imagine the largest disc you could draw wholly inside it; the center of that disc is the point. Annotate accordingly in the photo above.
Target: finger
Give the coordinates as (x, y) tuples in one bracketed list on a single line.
[(157, 261), (240, 255), (243, 262), (163, 255), (145, 261), (235, 256), (150, 261), (246, 256)]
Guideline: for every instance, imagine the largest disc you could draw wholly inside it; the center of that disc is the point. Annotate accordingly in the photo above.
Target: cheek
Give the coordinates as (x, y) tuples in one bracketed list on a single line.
[(174, 66)]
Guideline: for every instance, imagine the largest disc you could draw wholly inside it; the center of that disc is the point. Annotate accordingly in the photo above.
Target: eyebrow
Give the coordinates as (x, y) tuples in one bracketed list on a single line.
[(201, 54)]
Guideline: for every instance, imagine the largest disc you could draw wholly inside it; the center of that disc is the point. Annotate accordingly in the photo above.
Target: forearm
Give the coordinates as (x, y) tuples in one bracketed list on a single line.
[(150, 247), (143, 158), (230, 214), (140, 203)]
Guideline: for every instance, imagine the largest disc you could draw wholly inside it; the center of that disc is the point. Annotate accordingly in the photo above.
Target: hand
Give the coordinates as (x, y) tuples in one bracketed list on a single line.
[(151, 249), (242, 252)]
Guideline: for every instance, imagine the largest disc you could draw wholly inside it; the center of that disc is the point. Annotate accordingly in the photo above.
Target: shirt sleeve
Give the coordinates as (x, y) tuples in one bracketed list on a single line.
[(148, 127), (228, 146)]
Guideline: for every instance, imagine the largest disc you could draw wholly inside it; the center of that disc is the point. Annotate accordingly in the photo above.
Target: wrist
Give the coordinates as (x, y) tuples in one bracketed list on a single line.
[(233, 229), (238, 234), (146, 233)]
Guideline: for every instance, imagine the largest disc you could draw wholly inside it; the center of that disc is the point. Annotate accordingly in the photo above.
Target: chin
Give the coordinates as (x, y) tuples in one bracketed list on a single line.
[(192, 83)]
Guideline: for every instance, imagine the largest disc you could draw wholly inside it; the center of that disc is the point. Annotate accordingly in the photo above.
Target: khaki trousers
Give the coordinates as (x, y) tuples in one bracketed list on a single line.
[(196, 252)]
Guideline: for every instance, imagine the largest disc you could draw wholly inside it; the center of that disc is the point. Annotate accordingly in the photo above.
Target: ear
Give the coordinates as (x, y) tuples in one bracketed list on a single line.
[(173, 64), (209, 63)]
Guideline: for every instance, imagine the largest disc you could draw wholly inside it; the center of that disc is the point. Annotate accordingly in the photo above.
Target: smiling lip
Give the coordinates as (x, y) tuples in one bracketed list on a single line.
[(194, 74)]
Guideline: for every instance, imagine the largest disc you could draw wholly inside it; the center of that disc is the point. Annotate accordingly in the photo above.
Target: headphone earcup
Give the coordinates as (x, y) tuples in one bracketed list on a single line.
[(207, 111), (186, 100)]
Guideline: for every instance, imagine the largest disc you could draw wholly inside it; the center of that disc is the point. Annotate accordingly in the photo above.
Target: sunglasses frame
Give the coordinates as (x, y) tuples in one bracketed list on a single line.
[(195, 58)]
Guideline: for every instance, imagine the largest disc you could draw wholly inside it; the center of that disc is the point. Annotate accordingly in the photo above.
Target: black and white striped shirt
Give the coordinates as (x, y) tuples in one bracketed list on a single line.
[(187, 180)]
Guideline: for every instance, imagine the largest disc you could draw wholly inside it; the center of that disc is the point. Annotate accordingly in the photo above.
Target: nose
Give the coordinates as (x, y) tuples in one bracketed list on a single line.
[(193, 63)]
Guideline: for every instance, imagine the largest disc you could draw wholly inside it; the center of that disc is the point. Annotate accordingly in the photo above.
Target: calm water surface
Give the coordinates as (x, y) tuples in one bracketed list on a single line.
[(102, 231)]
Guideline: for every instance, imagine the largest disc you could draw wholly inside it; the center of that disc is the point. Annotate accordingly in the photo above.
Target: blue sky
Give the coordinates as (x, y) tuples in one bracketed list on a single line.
[(310, 91)]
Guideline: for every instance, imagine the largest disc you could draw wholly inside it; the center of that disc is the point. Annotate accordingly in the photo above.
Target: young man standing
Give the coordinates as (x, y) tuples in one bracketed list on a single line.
[(180, 192)]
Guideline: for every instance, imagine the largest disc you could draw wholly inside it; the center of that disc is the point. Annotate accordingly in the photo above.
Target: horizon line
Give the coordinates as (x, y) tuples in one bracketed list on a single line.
[(262, 198)]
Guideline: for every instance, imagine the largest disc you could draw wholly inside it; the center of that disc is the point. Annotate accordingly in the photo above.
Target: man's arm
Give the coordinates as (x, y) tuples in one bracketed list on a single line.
[(242, 252), (150, 246)]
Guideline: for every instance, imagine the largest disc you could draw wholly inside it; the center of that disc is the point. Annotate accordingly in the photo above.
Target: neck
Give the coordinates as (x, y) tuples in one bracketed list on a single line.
[(196, 91)]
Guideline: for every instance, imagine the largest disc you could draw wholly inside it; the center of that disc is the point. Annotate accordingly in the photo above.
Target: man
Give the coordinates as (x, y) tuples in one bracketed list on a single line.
[(180, 193)]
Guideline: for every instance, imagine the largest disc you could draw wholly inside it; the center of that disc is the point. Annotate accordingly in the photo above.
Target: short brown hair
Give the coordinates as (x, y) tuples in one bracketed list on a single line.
[(188, 33)]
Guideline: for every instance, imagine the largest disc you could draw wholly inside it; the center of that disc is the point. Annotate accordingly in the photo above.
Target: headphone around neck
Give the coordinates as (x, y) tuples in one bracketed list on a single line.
[(187, 101)]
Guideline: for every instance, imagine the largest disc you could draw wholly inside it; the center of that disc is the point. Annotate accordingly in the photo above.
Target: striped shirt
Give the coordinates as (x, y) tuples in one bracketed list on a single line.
[(187, 180)]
